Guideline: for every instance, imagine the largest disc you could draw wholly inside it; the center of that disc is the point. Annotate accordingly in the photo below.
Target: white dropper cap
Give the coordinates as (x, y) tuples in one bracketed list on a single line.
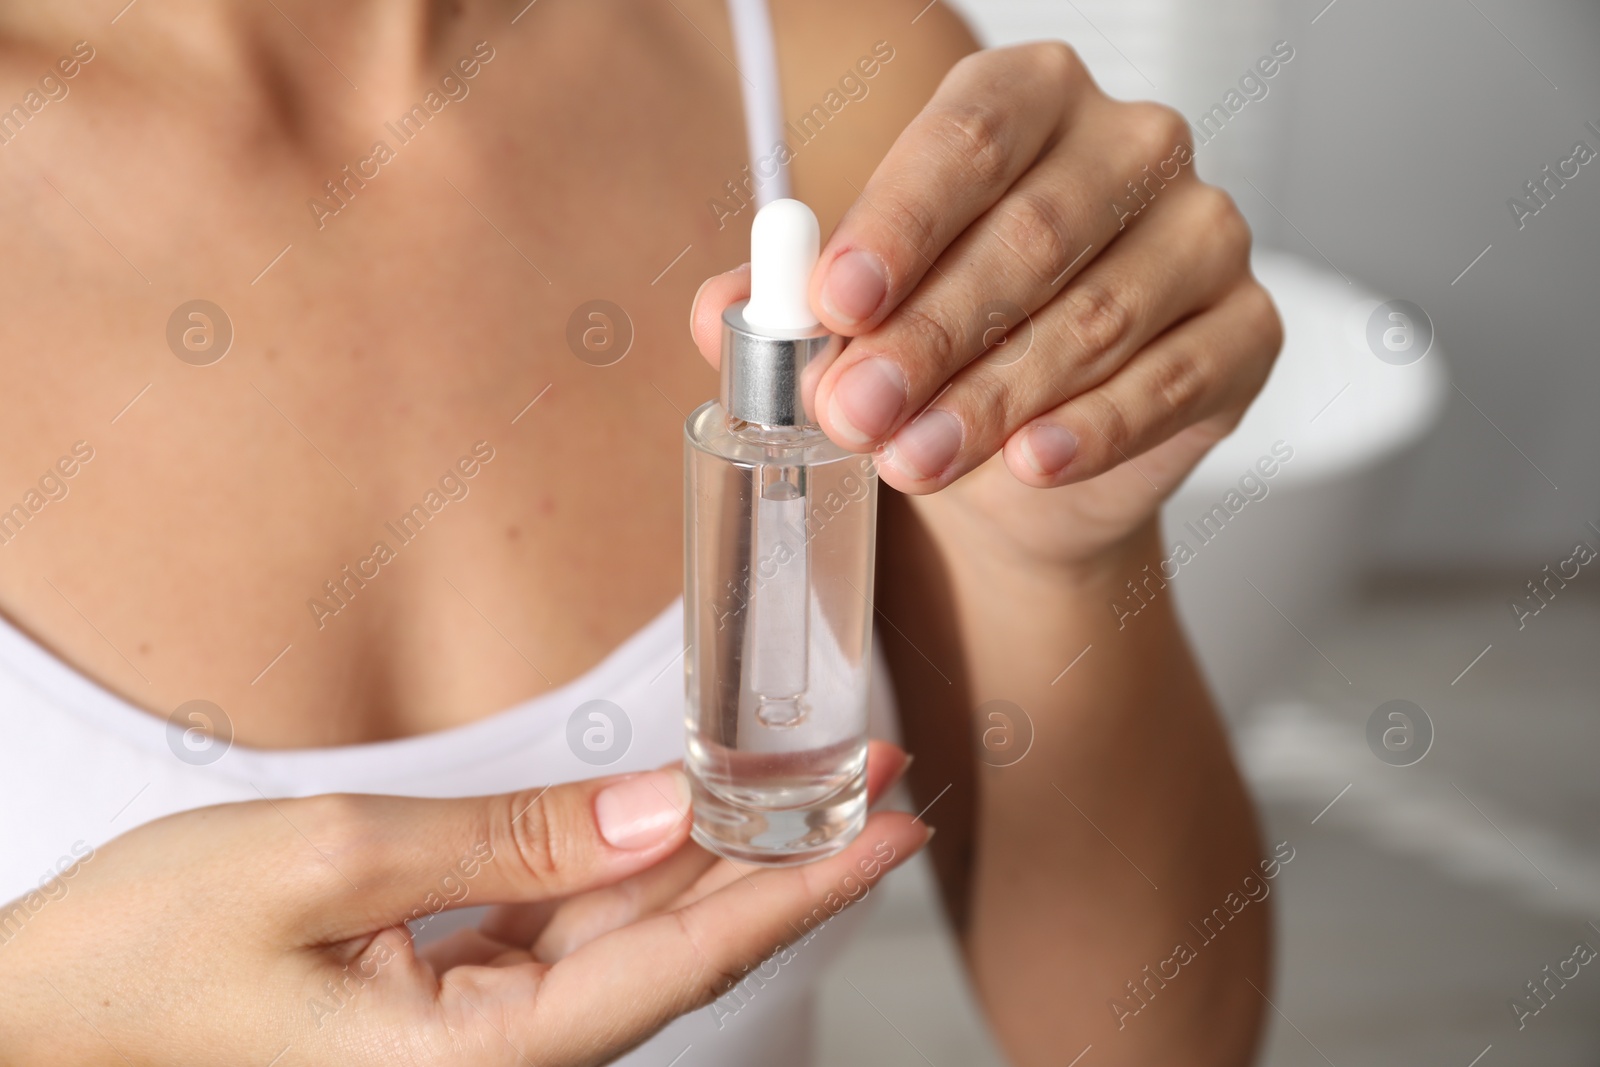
[(772, 345), (784, 241)]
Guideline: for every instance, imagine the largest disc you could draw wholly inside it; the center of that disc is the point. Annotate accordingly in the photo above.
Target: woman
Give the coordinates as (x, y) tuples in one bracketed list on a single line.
[(398, 214)]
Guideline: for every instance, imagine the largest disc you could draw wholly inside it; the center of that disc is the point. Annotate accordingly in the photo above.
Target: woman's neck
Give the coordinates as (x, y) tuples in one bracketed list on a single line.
[(337, 60)]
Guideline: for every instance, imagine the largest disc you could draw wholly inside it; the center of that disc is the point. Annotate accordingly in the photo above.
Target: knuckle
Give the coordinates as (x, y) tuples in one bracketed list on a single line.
[(989, 403), (1115, 426), (335, 823), (1060, 61), (1221, 216), (1256, 337), (1038, 229), (1099, 319), (976, 134), (1267, 325), (1159, 129), (525, 827), (342, 844), (931, 336), (914, 221), (1263, 311), (1179, 380), (992, 412)]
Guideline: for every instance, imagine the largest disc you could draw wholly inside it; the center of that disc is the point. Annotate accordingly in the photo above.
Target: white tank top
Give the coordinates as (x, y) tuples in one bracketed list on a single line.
[(80, 766)]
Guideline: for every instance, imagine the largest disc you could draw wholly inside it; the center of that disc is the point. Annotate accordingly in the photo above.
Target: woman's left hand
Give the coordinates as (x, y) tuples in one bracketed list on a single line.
[(1037, 289), (549, 931)]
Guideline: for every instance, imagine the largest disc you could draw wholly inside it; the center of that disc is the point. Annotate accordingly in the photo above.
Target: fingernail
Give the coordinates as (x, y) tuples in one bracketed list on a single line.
[(694, 305), (1048, 448), (855, 286), (640, 811), (899, 775), (928, 444), (866, 400)]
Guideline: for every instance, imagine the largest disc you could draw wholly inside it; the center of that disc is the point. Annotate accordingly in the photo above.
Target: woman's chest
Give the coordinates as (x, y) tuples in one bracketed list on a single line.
[(365, 455)]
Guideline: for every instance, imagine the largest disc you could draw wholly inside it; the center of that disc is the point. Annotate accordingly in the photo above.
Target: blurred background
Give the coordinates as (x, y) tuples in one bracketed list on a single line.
[(1411, 683)]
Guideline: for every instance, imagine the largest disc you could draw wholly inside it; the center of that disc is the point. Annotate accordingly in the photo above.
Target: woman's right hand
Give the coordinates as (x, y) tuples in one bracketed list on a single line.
[(274, 932)]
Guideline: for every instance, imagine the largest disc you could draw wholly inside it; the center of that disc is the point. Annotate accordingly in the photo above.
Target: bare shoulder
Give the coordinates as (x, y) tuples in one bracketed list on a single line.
[(854, 73)]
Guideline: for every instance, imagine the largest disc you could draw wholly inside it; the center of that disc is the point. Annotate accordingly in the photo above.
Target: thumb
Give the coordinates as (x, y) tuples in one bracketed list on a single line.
[(394, 859), (705, 314)]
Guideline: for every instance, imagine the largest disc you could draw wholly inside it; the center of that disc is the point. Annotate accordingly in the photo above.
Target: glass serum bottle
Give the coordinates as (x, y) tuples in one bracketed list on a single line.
[(778, 558)]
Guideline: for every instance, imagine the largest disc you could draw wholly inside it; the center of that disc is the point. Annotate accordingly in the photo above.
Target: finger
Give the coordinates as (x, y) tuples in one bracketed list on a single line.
[(987, 123), (886, 766), (1046, 230), (462, 948), (1210, 366), (1156, 275), (686, 877), (672, 963), (589, 915), (520, 924), (394, 859), (705, 312)]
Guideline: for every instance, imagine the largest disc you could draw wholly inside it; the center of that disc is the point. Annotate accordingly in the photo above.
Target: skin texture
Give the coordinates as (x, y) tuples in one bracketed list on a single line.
[(424, 317)]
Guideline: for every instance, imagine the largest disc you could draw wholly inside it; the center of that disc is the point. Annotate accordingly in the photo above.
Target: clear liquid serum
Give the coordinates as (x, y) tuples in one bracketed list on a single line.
[(778, 556)]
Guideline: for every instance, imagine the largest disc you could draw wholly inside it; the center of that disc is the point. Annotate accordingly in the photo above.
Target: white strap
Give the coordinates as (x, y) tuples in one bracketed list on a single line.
[(763, 104)]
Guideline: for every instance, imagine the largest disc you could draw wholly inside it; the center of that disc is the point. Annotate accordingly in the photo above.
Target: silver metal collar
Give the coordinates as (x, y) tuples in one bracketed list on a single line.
[(764, 373)]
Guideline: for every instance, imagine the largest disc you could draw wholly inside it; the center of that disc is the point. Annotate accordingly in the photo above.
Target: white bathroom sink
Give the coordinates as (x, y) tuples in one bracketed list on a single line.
[(1284, 551), (1380, 407)]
